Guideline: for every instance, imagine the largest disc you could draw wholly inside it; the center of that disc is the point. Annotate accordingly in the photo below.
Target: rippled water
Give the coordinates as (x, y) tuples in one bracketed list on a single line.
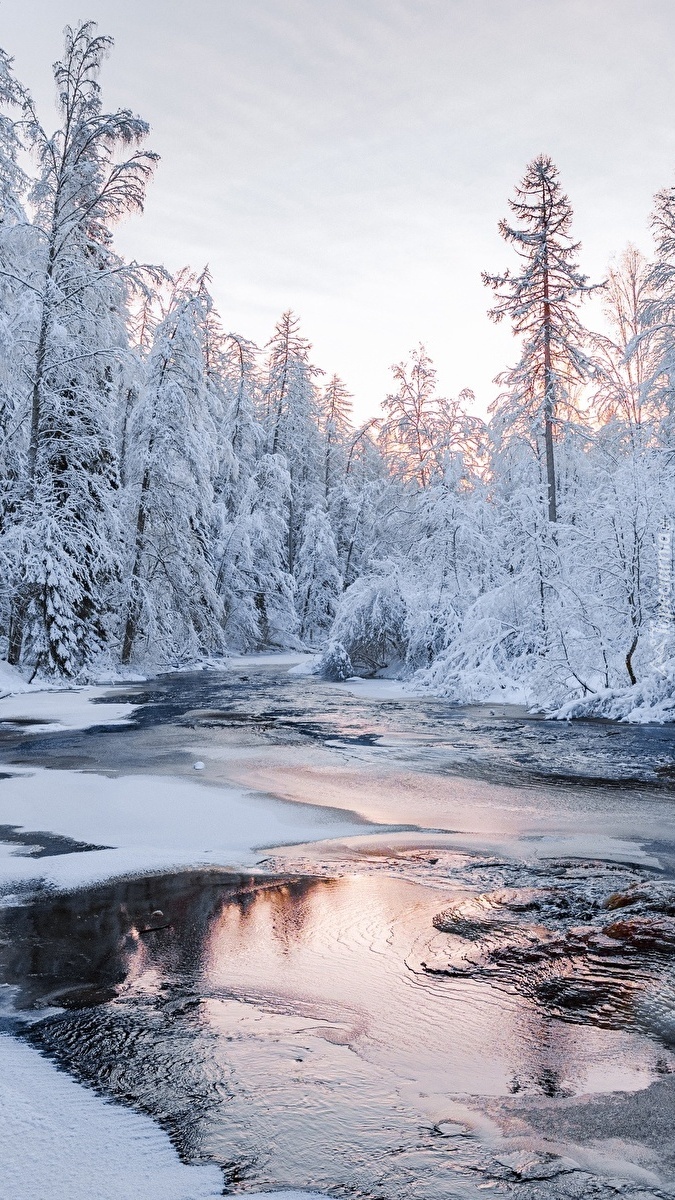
[(471, 1005)]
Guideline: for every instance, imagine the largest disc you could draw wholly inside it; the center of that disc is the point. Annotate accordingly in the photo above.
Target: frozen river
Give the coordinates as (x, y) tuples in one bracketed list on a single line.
[(444, 966)]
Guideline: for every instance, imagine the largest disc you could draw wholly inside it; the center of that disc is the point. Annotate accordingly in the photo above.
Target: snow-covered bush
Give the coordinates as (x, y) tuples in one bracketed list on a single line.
[(371, 620), (334, 664)]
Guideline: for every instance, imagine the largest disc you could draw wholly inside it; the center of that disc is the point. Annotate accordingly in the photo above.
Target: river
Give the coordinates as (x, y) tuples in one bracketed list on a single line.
[(467, 985)]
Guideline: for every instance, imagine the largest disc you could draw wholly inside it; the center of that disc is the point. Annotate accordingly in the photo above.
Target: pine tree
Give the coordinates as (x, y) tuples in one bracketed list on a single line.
[(264, 523), (291, 419), (239, 441), (336, 427), (541, 301)]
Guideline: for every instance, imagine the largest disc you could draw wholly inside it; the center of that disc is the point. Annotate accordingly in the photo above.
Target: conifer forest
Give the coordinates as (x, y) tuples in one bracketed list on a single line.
[(170, 491)]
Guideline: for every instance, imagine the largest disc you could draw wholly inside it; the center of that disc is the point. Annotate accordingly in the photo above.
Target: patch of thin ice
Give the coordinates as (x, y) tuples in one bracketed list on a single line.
[(377, 689), (70, 709), (272, 659), (151, 822)]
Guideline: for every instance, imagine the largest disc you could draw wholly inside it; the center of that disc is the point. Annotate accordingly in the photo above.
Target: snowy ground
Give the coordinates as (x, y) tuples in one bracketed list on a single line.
[(61, 1141)]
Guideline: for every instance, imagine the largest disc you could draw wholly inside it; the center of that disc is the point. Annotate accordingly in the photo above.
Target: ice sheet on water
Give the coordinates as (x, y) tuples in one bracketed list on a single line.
[(151, 821), (35, 709)]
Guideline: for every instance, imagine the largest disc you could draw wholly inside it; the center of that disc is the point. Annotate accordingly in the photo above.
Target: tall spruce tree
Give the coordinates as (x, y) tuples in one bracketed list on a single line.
[(541, 301), (291, 418)]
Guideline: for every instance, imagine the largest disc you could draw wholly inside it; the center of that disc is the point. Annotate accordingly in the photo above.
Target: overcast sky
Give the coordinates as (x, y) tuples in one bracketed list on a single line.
[(350, 159)]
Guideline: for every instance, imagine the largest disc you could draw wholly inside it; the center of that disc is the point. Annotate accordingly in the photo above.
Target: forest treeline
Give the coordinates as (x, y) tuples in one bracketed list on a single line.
[(168, 490)]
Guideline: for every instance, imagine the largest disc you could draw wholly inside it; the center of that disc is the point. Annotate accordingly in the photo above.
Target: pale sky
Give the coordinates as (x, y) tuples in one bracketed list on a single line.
[(350, 159)]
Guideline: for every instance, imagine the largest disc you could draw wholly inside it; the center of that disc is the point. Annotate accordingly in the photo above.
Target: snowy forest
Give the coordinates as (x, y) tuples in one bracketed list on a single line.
[(170, 491)]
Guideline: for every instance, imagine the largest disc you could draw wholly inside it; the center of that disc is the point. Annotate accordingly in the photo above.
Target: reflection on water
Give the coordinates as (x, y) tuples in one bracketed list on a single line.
[(70, 948), (288, 1030)]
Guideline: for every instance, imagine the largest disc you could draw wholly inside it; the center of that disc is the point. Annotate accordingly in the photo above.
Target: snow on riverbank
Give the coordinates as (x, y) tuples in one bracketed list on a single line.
[(61, 1140), (54, 708), (651, 701)]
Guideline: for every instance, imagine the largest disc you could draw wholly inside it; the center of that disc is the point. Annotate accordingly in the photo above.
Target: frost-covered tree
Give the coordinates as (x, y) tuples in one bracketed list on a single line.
[(541, 300), (335, 423), (291, 419), (240, 441), (369, 633), (658, 309), (264, 526), (63, 543), (627, 359), (420, 427), (172, 601), (317, 576), (17, 309), (629, 489)]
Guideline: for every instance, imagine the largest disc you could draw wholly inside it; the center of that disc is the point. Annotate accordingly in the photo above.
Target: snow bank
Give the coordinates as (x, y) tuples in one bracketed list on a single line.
[(652, 700), (12, 681), (60, 1139), (150, 822)]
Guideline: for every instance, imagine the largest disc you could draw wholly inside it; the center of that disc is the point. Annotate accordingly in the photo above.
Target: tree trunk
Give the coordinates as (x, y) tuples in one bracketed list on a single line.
[(134, 612), (16, 627), (629, 658), (549, 406)]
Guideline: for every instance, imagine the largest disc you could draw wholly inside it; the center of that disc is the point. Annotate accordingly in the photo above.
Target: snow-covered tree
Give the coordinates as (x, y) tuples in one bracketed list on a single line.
[(541, 301), (172, 602), (291, 419), (335, 424), (317, 576), (63, 544), (420, 427), (264, 526)]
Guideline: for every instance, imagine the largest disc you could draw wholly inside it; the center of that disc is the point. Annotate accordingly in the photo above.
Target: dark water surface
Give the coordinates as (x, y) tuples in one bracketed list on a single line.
[(486, 1003)]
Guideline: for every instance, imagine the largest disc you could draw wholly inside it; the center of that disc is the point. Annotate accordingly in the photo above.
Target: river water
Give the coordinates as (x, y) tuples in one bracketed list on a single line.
[(474, 994)]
